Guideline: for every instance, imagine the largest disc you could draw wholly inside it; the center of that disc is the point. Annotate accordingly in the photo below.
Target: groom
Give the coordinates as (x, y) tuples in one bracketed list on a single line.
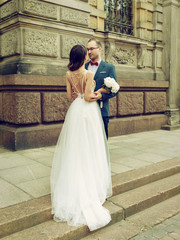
[(101, 70)]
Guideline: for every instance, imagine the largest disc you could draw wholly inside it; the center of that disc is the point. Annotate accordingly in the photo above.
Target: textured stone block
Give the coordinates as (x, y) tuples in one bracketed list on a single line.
[(159, 58), (40, 8), (8, 8), (10, 43), (74, 16), (93, 22), (148, 58), (155, 102), (41, 43), (113, 106), (130, 103), (55, 106), (1, 116), (21, 107), (67, 42)]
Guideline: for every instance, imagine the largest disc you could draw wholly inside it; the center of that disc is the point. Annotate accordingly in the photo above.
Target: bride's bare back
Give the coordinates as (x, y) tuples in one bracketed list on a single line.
[(78, 81), (81, 83)]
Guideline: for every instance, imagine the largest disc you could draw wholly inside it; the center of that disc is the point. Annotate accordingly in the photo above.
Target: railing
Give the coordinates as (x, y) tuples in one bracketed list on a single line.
[(119, 16)]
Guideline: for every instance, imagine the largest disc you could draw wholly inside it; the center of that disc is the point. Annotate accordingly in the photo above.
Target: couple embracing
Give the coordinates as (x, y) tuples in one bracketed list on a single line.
[(81, 176)]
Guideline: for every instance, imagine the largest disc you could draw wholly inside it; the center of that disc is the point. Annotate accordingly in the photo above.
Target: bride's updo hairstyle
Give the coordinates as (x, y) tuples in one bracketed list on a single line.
[(76, 57)]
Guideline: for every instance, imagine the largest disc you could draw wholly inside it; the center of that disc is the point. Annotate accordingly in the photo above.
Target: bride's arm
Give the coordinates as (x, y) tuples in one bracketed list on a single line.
[(88, 95), (68, 88)]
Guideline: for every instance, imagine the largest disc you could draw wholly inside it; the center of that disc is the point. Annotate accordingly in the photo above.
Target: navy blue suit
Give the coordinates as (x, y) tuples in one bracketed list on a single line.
[(104, 70)]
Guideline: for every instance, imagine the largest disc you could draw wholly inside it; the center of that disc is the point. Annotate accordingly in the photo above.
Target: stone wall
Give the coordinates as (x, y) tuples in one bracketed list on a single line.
[(36, 37)]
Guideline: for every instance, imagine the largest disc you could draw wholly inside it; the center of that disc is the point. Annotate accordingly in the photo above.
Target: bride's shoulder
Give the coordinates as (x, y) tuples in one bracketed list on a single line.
[(89, 73)]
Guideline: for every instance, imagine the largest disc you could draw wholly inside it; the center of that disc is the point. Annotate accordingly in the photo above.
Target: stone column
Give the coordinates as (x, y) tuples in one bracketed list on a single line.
[(171, 36)]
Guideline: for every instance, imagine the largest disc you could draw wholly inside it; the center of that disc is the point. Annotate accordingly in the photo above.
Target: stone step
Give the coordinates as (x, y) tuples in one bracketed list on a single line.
[(61, 231), (148, 195), (28, 214), (139, 223), (132, 179), (120, 206)]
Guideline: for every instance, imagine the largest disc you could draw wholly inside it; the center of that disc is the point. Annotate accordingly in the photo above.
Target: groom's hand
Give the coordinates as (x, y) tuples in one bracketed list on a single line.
[(73, 94), (96, 96)]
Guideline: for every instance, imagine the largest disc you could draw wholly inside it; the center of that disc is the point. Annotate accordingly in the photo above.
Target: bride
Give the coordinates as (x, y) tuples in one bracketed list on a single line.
[(80, 176)]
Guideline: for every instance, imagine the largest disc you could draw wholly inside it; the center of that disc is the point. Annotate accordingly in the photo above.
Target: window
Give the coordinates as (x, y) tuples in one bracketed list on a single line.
[(119, 16)]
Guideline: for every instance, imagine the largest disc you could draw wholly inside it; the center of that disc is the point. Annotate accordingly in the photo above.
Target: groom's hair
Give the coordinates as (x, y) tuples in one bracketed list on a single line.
[(95, 40), (77, 57)]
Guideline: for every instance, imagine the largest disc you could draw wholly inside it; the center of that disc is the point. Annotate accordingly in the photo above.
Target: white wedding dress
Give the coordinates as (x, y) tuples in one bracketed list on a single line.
[(80, 176)]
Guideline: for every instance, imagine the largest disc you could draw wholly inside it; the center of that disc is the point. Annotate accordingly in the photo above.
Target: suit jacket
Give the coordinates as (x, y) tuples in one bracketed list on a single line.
[(104, 70)]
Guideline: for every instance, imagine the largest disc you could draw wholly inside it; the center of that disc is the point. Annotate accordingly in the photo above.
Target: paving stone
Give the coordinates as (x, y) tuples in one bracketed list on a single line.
[(119, 168), (36, 188), (167, 238), (171, 228), (25, 173), (175, 234), (14, 161), (11, 195)]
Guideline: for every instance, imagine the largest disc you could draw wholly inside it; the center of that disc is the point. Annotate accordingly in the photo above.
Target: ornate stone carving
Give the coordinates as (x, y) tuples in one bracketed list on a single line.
[(8, 8), (74, 16), (21, 107), (68, 42), (40, 8), (155, 102), (130, 103), (55, 106), (141, 53), (40, 43), (125, 56), (10, 43), (120, 55)]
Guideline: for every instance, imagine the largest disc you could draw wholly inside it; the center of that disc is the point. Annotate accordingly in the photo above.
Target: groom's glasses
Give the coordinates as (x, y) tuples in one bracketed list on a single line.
[(92, 48)]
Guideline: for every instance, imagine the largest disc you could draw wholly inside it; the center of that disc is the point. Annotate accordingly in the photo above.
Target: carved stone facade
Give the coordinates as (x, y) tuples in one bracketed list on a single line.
[(9, 8), (67, 41), (155, 102), (21, 107), (69, 15), (130, 103), (54, 106), (40, 8), (10, 43), (36, 38), (41, 43), (125, 55)]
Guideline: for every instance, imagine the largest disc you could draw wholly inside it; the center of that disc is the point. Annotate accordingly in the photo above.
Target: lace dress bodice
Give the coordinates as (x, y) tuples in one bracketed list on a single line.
[(78, 82)]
